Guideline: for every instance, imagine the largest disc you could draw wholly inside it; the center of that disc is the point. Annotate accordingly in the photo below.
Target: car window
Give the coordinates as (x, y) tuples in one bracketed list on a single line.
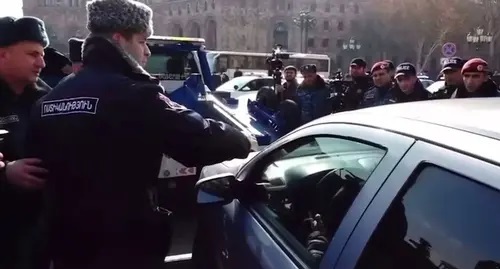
[(442, 220), (310, 185), (173, 65)]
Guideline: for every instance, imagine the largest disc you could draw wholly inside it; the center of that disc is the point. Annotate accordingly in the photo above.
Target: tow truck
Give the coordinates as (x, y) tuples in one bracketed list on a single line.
[(180, 63)]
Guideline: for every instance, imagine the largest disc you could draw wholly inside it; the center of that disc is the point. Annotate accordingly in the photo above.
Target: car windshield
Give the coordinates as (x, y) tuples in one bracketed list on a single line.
[(239, 82)]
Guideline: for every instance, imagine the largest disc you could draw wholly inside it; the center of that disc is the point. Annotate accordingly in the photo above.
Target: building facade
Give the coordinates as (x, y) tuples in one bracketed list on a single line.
[(237, 25)]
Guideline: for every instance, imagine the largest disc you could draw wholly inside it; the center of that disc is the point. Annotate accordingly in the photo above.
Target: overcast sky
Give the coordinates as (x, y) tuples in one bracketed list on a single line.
[(11, 8)]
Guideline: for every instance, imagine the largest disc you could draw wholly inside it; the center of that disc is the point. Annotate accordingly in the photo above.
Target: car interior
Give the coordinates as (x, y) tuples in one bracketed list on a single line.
[(310, 188)]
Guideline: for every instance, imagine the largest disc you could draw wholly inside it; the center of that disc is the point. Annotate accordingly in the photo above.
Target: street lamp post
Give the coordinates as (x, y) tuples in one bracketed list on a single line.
[(352, 44), (305, 21), (479, 37)]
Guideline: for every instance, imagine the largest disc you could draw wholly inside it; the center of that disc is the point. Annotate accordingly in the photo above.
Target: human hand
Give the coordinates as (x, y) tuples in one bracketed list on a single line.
[(26, 173), (2, 163)]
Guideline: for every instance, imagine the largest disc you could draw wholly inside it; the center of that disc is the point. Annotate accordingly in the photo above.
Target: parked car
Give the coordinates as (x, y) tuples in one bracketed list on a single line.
[(434, 87), (411, 185), (242, 85)]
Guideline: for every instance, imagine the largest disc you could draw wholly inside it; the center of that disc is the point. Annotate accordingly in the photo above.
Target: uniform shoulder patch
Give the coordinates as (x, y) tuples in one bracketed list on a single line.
[(78, 105)]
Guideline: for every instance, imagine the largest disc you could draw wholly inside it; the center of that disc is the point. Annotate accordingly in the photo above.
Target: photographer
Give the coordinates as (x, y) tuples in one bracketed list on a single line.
[(289, 88), (313, 95)]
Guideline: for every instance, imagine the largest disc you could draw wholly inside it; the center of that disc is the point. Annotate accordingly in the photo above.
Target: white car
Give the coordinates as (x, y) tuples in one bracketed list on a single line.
[(243, 85), (434, 87)]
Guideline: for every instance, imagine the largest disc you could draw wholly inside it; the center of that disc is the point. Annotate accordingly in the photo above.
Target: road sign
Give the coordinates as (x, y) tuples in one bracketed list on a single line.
[(444, 61), (449, 49)]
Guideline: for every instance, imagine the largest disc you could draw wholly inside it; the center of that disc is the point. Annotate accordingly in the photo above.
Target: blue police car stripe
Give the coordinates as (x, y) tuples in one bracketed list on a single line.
[(79, 105)]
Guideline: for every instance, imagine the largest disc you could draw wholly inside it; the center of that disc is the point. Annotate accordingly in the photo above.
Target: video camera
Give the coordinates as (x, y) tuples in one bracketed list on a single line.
[(338, 88), (275, 65)]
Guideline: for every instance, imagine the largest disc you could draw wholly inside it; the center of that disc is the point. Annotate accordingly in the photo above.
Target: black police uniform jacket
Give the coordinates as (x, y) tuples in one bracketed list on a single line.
[(18, 207), (102, 133), (487, 89)]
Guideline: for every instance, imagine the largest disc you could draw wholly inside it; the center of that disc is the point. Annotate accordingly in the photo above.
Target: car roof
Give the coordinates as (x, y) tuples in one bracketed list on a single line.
[(475, 115), (445, 122)]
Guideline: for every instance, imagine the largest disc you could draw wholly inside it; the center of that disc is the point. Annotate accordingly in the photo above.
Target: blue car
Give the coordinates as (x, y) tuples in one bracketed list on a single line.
[(397, 186)]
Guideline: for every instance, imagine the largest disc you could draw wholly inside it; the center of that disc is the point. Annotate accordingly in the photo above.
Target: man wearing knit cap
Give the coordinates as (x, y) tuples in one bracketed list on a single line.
[(102, 133), (381, 92), (75, 53), (477, 81), (361, 84), (22, 43)]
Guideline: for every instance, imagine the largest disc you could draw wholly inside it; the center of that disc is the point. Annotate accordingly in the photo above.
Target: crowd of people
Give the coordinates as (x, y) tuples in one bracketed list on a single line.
[(80, 163), (384, 83), (75, 192)]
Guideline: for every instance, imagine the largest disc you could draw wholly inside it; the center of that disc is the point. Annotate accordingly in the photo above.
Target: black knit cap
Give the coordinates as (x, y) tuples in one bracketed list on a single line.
[(14, 30), (75, 49)]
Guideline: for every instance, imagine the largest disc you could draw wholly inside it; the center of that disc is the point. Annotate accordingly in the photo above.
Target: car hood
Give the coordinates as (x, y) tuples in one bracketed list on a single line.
[(232, 166)]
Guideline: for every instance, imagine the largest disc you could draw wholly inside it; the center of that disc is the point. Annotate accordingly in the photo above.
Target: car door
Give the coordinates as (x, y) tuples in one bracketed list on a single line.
[(438, 209), (263, 232)]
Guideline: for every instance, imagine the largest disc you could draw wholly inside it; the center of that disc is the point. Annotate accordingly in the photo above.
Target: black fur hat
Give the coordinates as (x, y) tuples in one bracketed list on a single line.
[(14, 30), (75, 49), (109, 16)]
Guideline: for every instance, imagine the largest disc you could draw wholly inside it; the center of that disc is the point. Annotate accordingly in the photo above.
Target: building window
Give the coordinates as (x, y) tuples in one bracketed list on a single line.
[(340, 43), (289, 7), (188, 9), (313, 7), (326, 25), (213, 4), (356, 9), (197, 7), (325, 43), (310, 43), (170, 13), (206, 6), (179, 11), (327, 7), (340, 26), (342, 8)]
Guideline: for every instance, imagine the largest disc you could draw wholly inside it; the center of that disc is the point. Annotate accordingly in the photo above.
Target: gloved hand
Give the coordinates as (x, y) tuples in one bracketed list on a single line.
[(317, 244)]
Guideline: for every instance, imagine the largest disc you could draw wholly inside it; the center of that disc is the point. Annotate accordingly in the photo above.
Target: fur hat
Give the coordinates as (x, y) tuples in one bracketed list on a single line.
[(14, 30), (110, 16), (75, 49)]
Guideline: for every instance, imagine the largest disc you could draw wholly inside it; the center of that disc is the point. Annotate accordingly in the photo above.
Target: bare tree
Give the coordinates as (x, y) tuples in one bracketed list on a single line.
[(414, 27), (490, 21)]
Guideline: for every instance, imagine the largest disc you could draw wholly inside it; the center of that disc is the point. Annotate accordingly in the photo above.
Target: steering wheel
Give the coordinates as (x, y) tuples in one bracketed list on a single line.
[(336, 191)]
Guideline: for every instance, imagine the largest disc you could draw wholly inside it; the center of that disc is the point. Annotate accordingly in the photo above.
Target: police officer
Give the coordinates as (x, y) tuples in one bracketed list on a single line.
[(361, 83), (22, 43), (75, 53), (102, 134), (381, 92), (313, 95), (477, 81), (452, 71), (392, 68), (57, 66), (410, 88)]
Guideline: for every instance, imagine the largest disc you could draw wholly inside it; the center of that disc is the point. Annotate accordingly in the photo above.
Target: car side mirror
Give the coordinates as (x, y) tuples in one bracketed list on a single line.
[(235, 87), (215, 189)]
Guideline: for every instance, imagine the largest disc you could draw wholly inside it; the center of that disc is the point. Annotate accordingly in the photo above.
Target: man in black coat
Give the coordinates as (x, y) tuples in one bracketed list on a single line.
[(102, 133), (22, 43)]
